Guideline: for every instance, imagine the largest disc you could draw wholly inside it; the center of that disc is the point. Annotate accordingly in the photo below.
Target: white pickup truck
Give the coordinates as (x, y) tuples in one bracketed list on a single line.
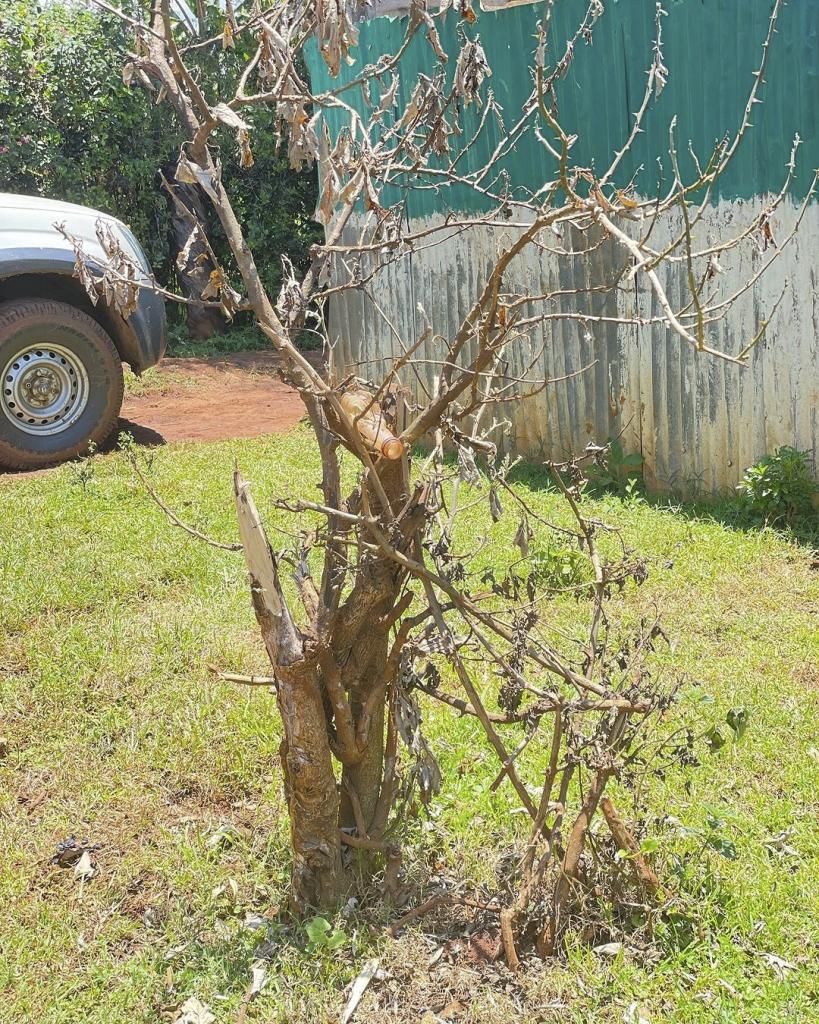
[(61, 356)]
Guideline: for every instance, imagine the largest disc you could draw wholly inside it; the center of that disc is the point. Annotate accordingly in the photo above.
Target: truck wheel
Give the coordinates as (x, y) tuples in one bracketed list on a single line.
[(61, 384)]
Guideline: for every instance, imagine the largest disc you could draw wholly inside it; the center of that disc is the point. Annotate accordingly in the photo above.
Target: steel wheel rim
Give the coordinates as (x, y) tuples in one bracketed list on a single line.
[(44, 389)]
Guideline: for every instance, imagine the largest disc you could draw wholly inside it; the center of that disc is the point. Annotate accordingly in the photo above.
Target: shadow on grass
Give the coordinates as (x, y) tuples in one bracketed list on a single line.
[(804, 530)]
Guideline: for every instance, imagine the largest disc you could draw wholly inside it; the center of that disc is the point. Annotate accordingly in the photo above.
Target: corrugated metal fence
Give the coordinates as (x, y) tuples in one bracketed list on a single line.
[(698, 421)]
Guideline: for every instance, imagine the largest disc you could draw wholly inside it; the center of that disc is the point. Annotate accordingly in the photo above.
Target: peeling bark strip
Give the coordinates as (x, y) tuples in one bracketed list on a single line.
[(280, 635)]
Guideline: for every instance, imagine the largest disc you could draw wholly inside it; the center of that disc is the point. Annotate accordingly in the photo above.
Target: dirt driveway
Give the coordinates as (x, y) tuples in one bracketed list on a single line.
[(214, 399), (234, 395)]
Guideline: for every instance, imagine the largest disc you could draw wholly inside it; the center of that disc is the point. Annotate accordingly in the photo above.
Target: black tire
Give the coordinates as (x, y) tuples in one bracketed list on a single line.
[(39, 322)]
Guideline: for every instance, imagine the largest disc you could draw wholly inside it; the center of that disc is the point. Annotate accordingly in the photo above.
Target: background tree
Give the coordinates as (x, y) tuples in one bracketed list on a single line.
[(71, 128), (390, 603)]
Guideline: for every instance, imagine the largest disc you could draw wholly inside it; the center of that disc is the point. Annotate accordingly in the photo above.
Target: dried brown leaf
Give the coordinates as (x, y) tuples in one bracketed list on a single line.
[(245, 152)]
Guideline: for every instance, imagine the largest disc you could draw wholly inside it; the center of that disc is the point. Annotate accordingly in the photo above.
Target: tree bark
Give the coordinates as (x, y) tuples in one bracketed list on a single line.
[(193, 273), (318, 877), (364, 778), (364, 660)]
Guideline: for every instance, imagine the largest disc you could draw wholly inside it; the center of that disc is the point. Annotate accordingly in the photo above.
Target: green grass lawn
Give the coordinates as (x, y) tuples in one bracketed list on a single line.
[(115, 731)]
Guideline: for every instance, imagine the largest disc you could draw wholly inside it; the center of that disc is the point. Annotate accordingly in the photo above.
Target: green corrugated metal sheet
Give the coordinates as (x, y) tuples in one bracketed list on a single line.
[(711, 48), (698, 422)]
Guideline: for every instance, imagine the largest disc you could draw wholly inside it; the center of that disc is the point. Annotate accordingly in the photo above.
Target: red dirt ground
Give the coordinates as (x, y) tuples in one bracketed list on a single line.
[(214, 399), (235, 395)]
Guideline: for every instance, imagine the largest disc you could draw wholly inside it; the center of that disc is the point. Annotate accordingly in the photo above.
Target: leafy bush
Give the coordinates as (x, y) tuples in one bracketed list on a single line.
[(71, 129), (558, 564), (616, 470), (779, 488)]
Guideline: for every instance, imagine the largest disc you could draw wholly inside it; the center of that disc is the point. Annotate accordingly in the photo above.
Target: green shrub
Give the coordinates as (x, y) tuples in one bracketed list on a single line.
[(71, 129), (558, 564), (779, 488), (617, 470)]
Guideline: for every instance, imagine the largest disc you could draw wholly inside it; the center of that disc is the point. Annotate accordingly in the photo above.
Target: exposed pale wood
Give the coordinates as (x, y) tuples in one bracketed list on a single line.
[(507, 917), (281, 637)]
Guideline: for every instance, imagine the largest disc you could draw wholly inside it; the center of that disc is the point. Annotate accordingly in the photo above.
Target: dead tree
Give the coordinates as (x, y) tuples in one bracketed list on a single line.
[(396, 612)]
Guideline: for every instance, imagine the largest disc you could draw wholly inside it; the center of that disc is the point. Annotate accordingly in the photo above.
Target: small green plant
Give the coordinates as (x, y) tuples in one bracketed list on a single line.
[(82, 471), (133, 453), (701, 896), (323, 937), (617, 470), (716, 837), (779, 488), (557, 564), (737, 721)]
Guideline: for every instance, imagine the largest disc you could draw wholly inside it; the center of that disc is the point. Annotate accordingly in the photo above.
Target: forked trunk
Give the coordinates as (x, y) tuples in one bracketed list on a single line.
[(331, 699)]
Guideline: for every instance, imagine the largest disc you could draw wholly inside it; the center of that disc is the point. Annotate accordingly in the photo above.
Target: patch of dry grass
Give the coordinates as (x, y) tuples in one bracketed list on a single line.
[(157, 381)]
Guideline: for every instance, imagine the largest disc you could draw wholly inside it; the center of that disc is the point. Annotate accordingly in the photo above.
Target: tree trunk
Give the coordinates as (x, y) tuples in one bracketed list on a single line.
[(365, 683), (365, 777), (310, 783), (362, 644), (193, 272), (318, 877)]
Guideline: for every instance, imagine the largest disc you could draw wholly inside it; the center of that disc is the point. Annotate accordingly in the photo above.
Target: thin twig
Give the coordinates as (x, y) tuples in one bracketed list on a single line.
[(172, 516)]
